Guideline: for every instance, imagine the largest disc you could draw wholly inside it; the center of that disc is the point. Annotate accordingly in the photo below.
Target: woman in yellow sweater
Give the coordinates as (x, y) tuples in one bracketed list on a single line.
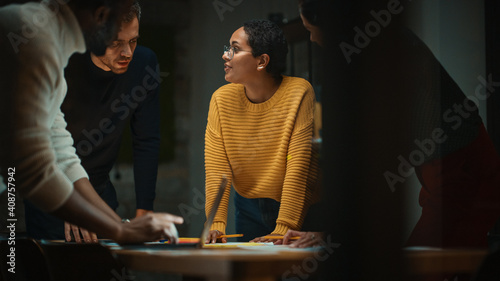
[(258, 135)]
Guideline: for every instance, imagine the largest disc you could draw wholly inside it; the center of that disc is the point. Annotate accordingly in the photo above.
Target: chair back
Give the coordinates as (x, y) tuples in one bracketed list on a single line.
[(79, 262), (22, 259)]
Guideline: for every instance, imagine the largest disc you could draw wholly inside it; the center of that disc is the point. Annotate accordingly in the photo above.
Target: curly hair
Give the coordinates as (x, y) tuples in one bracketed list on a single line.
[(265, 37)]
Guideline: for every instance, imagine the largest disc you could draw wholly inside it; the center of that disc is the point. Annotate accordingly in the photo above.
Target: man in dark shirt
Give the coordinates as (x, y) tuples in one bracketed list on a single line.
[(105, 94)]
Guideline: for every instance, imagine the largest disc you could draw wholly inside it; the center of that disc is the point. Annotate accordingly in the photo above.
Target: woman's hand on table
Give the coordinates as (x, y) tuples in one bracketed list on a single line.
[(307, 239), (213, 237), (267, 238)]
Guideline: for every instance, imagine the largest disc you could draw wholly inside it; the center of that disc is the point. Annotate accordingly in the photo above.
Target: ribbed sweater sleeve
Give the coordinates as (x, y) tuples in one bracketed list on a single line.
[(216, 166), (264, 149), (296, 194)]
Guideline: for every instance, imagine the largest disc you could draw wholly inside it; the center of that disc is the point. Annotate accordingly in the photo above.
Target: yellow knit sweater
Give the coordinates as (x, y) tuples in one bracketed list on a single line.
[(264, 149)]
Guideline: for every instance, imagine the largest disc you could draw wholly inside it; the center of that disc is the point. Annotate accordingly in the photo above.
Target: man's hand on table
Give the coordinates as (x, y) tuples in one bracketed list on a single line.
[(150, 227), (213, 236), (80, 234)]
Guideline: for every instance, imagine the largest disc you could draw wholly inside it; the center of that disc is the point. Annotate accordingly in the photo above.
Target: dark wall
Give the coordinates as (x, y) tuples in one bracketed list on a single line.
[(161, 40), (492, 9)]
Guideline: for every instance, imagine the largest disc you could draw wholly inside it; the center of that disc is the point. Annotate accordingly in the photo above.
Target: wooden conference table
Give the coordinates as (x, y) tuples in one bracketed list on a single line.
[(277, 263), (264, 262), (224, 264), (433, 260)]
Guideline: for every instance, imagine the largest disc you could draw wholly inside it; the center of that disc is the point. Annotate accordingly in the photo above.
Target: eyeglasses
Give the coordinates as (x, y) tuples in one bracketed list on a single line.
[(230, 51)]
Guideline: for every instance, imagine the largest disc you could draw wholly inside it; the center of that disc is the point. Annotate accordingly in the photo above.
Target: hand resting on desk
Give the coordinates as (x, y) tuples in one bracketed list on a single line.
[(88, 237), (213, 235), (266, 238), (307, 239), (158, 225)]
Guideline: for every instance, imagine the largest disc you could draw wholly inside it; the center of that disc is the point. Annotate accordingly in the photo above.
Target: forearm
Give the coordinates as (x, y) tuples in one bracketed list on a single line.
[(62, 144), (146, 150), (81, 212), (150, 227), (292, 212), (145, 189), (215, 168), (145, 127), (300, 179), (295, 199), (85, 189)]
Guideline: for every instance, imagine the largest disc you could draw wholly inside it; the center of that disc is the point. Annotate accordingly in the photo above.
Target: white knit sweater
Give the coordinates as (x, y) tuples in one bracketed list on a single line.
[(38, 39)]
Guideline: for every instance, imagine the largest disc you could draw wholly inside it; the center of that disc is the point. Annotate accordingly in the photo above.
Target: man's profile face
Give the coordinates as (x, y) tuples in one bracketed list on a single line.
[(315, 31), (119, 53)]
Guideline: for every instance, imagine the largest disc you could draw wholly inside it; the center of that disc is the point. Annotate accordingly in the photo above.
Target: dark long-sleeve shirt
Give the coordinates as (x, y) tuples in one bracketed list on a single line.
[(97, 108)]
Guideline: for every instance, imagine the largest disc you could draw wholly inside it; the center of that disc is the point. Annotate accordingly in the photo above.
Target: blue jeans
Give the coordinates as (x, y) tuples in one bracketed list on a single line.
[(40, 225), (255, 217)]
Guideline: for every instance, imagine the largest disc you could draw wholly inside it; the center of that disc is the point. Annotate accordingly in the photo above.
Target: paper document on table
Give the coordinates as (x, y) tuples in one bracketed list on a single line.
[(237, 245)]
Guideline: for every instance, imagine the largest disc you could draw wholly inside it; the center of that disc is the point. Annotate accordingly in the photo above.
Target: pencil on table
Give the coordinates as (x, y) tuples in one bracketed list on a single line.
[(230, 235)]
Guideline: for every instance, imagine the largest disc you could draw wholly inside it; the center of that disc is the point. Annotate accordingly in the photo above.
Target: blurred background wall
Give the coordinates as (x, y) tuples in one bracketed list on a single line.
[(188, 37)]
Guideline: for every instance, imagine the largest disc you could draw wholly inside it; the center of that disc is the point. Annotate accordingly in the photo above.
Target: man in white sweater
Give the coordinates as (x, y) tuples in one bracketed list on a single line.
[(36, 153)]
